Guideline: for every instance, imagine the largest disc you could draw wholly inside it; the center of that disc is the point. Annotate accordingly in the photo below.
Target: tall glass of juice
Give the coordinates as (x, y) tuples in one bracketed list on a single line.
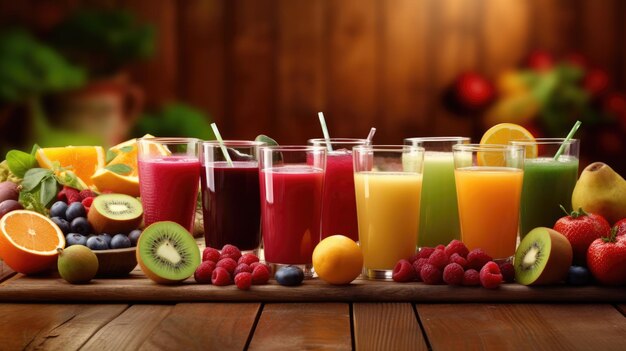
[(388, 183), (338, 201), (439, 215), (231, 204), (169, 177), (489, 186), (291, 182), (548, 181)]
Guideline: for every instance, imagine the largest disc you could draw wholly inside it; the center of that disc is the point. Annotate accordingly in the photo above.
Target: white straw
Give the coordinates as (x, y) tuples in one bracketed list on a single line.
[(325, 131), (218, 136), (370, 136)]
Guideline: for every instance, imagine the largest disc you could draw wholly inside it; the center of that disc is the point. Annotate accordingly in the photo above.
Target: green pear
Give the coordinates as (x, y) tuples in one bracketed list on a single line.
[(602, 191)]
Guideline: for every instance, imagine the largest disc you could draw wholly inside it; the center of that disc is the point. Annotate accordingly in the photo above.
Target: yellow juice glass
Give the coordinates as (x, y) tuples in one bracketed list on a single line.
[(489, 187), (388, 199)]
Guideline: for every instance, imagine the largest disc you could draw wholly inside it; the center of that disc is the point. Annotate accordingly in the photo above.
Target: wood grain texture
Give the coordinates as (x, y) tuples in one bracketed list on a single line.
[(599, 33), (5, 272), (531, 326), (204, 326), (386, 326), (52, 327), (129, 330), (306, 326), (553, 25), (138, 288)]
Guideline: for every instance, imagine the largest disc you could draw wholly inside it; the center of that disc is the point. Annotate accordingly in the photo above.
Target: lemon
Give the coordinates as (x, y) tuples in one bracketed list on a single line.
[(337, 260)]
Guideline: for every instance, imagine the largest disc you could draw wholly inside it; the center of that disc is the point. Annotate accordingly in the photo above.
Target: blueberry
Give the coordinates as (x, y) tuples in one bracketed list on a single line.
[(62, 224), (80, 225), (107, 238), (578, 275), (75, 210), (58, 209), (134, 236), (289, 276), (75, 239), (97, 243), (120, 241)]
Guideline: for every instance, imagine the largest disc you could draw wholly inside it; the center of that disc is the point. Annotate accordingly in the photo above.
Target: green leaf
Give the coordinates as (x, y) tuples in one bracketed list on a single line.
[(119, 168), (126, 149), (30, 201), (20, 162), (36, 148), (48, 190), (70, 179), (267, 140), (110, 156), (34, 177)]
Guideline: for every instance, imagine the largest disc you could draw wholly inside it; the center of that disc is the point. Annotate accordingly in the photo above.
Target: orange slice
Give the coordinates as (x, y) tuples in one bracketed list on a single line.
[(84, 161), (29, 241), (503, 134), (106, 180)]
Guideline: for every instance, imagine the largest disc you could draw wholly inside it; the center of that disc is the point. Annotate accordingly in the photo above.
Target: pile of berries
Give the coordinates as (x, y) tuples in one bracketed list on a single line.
[(228, 266), (453, 264)]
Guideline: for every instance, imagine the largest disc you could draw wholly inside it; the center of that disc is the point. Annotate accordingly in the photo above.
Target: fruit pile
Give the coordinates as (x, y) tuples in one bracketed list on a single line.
[(224, 267)]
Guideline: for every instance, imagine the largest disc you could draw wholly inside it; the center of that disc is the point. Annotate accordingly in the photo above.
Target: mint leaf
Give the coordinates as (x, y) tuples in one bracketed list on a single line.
[(70, 179), (34, 177), (126, 149), (48, 190), (19, 162), (110, 156), (119, 168), (267, 140), (30, 201)]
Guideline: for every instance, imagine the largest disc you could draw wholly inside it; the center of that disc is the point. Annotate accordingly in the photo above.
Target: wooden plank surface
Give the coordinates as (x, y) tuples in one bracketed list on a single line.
[(52, 327), (5, 271), (386, 326), (204, 326), (531, 326), (307, 326), (138, 288)]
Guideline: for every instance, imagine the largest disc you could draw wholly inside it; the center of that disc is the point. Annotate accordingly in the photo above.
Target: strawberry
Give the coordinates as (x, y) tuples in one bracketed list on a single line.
[(621, 227), (581, 229), (606, 259)]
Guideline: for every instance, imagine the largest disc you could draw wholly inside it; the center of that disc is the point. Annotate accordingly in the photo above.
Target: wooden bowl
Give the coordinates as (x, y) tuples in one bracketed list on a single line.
[(116, 262)]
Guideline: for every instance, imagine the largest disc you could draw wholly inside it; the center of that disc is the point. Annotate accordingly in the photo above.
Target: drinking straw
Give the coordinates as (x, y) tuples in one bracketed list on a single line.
[(218, 136), (567, 138), (370, 136), (325, 131)]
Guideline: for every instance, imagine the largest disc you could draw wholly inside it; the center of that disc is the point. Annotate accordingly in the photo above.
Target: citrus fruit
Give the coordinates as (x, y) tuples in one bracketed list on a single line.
[(29, 241), (503, 134), (337, 260), (84, 161)]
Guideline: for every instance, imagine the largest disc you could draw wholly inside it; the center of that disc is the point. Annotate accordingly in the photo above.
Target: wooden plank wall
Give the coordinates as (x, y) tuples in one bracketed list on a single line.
[(267, 66)]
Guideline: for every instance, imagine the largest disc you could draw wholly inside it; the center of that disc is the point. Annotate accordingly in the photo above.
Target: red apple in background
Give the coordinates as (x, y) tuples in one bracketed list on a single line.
[(576, 59), (596, 82), (473, 91), (540, 60)]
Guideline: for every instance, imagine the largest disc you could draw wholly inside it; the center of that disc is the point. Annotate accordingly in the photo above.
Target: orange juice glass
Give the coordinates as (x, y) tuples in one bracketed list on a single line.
[(489, 187)]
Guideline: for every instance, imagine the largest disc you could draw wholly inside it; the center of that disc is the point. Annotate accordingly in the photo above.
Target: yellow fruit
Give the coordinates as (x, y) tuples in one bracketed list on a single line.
[(106, 180), (84, 161), (503, 134), (337, 260)]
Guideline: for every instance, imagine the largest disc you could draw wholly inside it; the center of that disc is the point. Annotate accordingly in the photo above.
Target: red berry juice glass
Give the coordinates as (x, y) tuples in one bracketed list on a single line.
[(231, 204), (169, 177), (338, 201), (291, 181)]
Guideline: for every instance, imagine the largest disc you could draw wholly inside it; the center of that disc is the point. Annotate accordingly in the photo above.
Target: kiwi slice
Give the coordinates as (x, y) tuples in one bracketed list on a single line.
[(167, 253), (115, 213), (543, 257)]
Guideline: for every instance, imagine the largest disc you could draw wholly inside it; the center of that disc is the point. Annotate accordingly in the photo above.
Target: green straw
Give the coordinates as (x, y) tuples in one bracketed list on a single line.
[(325, 130), (567, 138), (218, 136)]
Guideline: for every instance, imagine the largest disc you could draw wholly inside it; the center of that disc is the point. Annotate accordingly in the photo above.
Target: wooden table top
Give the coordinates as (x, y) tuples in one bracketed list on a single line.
[(276, 325)]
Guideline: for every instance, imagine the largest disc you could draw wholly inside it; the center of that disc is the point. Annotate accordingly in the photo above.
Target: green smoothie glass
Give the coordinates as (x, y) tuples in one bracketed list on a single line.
[(548, 182), (439, 216)]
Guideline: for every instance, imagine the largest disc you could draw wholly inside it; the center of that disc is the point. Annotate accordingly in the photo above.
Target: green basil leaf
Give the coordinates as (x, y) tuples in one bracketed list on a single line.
[(36, 148), (48, 190), (34, 177), (70, 179), (119, 168), (127, 149), (110, 156), (19, 162)]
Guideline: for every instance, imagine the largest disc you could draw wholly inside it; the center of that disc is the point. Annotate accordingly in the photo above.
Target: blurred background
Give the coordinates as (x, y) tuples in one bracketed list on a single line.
[(99, 72)]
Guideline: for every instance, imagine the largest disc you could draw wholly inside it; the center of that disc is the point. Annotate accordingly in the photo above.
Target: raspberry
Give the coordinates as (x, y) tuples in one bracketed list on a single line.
[(456, 246), (228, 264), (456, 258), (453, 274), (248, 259), (71, 194), (87, 203), (204, 272), (87, 193), (210, 254), (414, 257), (438, 259), (220, 277), (403, 272), (471, 278), (430, 274), (440, 247), (508, 272), (425, 252), (243, 280), (260, 275), (230, 251), (254, 264), (417, 267), (242, 267), (477, 258), (490, 276)]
